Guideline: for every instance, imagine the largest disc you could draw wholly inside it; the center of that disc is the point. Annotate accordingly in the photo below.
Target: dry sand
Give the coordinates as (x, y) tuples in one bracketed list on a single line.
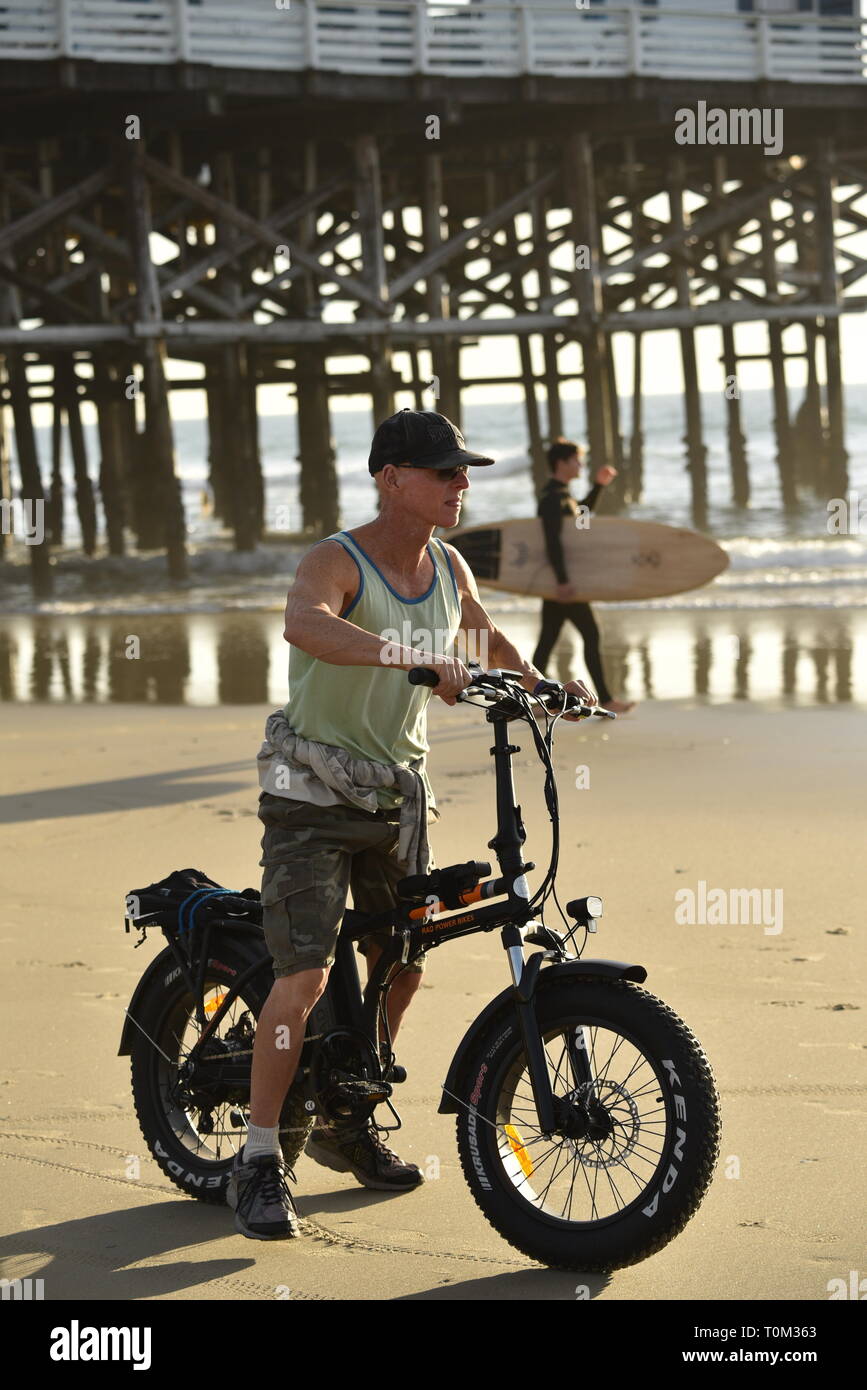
[(99, 800)]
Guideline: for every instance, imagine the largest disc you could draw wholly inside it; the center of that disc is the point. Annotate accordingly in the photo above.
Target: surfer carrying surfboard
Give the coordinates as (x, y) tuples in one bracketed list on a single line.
[(555, 503)]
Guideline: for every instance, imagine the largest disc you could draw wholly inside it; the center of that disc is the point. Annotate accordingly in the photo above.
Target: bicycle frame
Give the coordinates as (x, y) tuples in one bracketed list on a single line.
[(410, 933), (344, 1005)]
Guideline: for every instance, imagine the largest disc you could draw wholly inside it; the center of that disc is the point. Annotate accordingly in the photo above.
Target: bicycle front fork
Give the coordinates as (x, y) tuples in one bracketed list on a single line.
[(525, 975)]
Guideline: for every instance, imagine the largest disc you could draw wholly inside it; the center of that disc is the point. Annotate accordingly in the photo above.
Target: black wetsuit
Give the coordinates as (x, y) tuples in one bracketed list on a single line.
[(555, 503)]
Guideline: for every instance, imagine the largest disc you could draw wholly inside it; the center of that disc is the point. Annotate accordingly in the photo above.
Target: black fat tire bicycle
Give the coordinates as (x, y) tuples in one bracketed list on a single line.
[(587, 1116)]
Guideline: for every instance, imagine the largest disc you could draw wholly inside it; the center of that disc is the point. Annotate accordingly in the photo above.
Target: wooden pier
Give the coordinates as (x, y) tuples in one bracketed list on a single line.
[(394, 181)]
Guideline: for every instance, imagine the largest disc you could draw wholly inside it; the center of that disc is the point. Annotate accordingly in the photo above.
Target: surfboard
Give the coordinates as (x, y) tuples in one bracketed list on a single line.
[(609, 559)]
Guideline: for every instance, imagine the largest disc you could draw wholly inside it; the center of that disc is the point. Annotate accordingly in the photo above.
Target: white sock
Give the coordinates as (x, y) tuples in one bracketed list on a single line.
[(262, 1140)]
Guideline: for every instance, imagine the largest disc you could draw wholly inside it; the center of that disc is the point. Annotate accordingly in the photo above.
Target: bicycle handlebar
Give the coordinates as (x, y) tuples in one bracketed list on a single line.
[(423, 675), (490, 682)]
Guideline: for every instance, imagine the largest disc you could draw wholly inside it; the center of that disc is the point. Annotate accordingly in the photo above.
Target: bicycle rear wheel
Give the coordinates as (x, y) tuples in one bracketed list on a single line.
[(194, 1125)]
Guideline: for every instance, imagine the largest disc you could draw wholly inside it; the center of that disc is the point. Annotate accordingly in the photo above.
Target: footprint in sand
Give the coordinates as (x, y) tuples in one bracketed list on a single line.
[(56, 964)]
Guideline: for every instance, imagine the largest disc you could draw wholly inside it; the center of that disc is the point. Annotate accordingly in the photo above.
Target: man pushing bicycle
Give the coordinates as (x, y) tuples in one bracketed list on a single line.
[(345, 797)]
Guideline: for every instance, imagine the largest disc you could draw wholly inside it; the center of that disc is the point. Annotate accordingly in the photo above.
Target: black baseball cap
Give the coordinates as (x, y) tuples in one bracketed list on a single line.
[(422, 438)]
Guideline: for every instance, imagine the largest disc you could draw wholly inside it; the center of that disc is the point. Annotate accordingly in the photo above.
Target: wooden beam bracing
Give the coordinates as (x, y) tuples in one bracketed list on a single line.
[(391, 253)]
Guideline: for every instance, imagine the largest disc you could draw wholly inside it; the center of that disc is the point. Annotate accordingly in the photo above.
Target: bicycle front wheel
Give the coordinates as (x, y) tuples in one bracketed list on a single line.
[(637, 1133)]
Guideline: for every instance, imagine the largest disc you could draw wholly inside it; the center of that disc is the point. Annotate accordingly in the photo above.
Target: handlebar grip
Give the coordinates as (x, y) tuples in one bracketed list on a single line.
[(480, 867), (423, 675)]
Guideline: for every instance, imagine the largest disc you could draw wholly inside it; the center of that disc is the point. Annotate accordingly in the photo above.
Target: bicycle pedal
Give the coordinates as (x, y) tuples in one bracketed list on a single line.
[(352, 1091)]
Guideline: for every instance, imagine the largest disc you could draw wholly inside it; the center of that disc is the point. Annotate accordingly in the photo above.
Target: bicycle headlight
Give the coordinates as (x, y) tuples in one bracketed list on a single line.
[(583, 909)]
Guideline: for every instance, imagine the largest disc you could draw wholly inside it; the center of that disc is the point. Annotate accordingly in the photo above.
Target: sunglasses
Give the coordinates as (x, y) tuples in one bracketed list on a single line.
[(447, 475)]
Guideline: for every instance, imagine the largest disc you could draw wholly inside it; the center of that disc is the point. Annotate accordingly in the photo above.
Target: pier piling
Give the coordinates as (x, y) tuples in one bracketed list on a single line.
[(165, 208)]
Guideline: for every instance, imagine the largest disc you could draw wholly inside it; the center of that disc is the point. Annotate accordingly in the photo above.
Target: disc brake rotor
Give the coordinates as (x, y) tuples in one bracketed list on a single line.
[(606, 1092)]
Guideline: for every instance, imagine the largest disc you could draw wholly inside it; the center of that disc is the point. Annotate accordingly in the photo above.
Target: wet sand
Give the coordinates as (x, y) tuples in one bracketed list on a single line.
[(97, 800), (786, 654)]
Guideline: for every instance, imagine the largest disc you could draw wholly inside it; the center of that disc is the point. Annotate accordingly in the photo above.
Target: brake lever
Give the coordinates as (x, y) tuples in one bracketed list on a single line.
[(582, 710), (468, 691)]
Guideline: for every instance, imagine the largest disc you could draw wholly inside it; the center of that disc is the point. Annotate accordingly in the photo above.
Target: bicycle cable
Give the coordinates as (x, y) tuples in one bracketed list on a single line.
[(544, 747)]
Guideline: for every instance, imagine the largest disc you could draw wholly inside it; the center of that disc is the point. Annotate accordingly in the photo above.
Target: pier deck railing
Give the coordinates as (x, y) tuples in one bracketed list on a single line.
[(401, 37)]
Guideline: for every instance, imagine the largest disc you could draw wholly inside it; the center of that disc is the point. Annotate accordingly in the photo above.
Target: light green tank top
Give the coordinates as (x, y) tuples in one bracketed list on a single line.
[(373, 711)]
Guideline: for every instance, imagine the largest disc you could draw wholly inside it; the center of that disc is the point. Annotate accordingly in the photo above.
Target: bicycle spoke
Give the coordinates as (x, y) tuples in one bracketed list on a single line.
[(607, 1085), (219, 1139)]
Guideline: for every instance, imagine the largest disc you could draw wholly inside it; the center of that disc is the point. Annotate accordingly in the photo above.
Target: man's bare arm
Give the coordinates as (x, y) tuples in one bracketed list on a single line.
[(325, 581)]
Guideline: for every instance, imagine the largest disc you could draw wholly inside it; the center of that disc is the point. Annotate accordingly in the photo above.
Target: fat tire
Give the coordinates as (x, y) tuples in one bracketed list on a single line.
[(206, 1181), (662, 1035)]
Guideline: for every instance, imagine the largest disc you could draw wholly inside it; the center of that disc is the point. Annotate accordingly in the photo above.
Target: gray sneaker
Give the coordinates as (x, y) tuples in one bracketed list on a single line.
[(260, 1198)]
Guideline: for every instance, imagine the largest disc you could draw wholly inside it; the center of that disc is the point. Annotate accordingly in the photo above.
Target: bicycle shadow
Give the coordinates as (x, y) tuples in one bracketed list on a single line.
[(546, 1285), (98, 1258), (531, 1283), (90, 1257)]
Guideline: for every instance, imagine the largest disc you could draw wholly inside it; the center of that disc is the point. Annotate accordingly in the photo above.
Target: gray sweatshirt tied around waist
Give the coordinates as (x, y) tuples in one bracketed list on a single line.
[(355, 780)]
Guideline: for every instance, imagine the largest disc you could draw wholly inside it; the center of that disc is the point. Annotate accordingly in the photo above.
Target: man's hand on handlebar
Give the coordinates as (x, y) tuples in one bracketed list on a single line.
[(582, 693), (453, 674), (553, 693)]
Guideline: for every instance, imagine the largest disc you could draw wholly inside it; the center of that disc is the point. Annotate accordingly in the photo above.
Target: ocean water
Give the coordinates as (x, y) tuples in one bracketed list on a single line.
[(787, 621), (776, 559)]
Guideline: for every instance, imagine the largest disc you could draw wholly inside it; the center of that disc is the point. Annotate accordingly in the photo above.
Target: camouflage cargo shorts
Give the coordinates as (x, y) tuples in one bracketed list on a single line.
[(311, 857)]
